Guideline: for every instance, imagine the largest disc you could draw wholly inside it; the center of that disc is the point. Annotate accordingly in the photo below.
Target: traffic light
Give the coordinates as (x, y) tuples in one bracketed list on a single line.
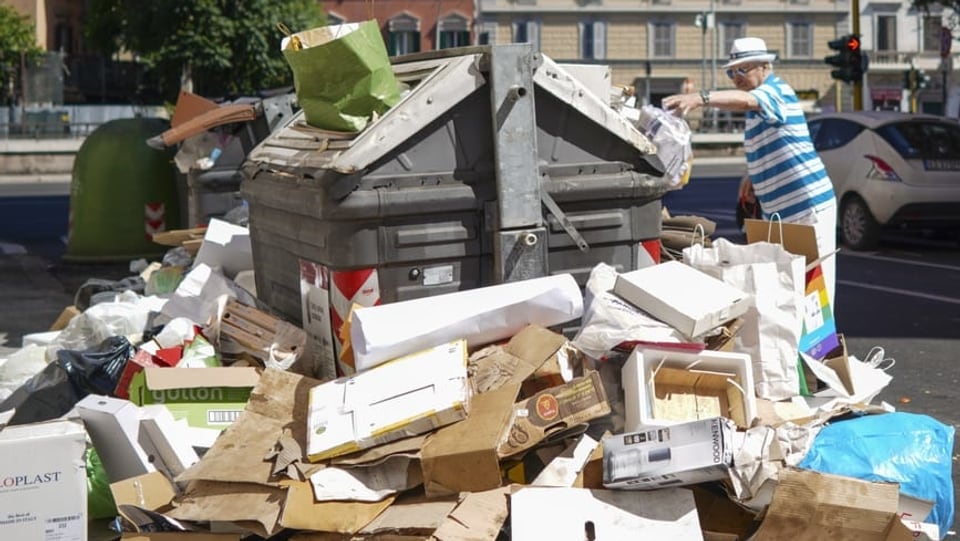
[(850, 61), (915, 79)]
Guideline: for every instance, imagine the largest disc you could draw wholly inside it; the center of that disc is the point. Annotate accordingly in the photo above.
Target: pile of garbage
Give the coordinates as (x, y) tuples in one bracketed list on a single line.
[(175, 404)]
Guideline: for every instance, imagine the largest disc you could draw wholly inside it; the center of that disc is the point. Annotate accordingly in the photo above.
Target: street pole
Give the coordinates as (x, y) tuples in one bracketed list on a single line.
[(703, 50), (858, 84), (713, 59)]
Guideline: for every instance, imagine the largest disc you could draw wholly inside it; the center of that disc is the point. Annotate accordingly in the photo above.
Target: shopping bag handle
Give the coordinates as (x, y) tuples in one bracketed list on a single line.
[(703, 235), (775, 217)]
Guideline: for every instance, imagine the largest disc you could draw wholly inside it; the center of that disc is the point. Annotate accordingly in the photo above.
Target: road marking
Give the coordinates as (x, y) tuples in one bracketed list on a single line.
[(941, 266), (905, 292)]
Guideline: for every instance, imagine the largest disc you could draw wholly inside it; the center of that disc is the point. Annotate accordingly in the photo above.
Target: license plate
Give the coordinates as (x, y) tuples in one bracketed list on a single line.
[(941, 165)]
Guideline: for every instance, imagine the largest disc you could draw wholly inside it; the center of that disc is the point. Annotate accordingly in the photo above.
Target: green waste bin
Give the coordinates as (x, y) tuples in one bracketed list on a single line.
[(122, 192)]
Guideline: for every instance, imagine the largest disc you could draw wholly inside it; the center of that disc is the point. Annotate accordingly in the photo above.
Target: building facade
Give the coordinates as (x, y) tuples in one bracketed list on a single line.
[(659, 47)]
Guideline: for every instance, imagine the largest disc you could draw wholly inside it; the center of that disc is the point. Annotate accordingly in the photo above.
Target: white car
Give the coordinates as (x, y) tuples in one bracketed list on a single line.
[(890, 169)]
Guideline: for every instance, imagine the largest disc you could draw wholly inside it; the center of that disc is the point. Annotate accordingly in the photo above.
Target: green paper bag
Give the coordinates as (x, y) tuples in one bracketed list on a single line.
[(341, 74)]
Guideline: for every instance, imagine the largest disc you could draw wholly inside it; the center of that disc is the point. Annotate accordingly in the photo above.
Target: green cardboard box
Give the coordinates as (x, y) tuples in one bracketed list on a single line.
[(205, 397)]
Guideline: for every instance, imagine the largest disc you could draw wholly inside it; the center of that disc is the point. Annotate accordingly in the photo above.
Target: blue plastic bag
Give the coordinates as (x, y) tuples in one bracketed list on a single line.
[(906, 448)]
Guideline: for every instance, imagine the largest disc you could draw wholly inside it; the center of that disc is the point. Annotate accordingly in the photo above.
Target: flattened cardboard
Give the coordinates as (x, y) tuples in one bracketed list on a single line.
[(562, 514), (150, 491), (403, 397), (206, 501), (553, 410), (463, 457), (413, 516), (478, 517), (687, 299), (205, 397), (278, 401), (530, 350), (811, 506), (177, 536), (301, 512)]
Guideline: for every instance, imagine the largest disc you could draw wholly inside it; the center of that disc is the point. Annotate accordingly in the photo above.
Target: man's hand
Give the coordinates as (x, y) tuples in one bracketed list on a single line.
[(681, 104)]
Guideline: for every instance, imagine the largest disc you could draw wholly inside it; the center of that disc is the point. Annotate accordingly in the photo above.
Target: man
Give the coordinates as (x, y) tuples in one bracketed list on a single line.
[(783, 169)]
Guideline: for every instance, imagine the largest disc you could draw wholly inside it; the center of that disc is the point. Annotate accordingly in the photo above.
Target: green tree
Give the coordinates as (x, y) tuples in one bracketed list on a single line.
[(211, 47), (18, 43)]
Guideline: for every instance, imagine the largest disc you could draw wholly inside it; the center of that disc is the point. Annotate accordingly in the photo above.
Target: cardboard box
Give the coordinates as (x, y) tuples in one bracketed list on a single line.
[(410, 395), (43, 481), (206, 397), (114, 428), (689, 300), (664, 386), (677, 455), (554, 410), (463, 457)]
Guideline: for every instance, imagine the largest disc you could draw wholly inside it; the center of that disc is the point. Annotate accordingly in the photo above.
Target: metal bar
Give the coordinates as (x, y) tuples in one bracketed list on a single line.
[(520, 241)]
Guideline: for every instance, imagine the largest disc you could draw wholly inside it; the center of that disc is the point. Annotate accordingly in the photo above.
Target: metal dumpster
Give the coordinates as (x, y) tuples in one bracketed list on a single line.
[(497, 165)]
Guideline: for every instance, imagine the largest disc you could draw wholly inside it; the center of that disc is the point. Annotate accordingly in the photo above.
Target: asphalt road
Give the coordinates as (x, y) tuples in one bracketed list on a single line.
[(902, 297)]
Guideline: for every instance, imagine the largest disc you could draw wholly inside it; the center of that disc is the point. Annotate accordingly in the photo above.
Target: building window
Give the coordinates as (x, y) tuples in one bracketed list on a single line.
[(527, 31), (63, 38), (403, 35), (487, 33), (931, 33), (593, 40), (662, 33), (730, 32), (454, 31), (333, 19), (800, 38), (887, 33)]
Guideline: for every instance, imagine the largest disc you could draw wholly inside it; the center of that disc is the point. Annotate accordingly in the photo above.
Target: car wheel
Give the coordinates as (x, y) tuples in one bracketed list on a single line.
[(858, 228)]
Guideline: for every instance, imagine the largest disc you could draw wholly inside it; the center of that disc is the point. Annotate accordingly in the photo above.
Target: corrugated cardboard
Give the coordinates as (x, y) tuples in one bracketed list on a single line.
[(533, 348), (689, 300), (683, 454), (278, 402), (478, 517), (576, 513), (406, 396), (410, 516), (553, 410), (463, 457), (177, 536), (43, 482), (811, 506), (663, 387), (150, 491), (301, 512), (205, 397), (258, 506)]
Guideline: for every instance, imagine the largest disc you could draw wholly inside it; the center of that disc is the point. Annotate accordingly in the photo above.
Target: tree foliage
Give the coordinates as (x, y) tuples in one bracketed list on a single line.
[(225, 47), (17, 41)]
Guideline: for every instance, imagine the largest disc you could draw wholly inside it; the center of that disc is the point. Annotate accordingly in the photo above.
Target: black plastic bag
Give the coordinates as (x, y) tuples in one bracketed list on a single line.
[(97, 370), (97, 290), (58, 387)]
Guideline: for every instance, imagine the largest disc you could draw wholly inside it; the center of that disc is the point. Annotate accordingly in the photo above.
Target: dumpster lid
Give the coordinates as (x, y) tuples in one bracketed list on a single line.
[(441, 82)]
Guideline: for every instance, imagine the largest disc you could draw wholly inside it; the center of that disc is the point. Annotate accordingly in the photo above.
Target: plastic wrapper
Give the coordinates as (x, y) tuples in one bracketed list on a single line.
[(672, 136)]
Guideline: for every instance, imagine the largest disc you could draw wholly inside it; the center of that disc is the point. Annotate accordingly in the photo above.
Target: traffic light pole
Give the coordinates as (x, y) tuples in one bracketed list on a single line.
[(858, 84)]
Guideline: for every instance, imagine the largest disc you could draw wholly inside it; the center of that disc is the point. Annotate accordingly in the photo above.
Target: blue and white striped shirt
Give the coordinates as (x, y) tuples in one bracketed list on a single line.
[(787, 174)]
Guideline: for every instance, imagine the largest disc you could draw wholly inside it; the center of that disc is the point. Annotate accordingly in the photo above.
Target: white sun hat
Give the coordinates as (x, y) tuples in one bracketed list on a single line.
[(749, 50)]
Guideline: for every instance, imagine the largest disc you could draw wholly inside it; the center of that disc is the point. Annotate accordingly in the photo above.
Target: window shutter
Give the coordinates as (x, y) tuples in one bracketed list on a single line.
[(599, 39)]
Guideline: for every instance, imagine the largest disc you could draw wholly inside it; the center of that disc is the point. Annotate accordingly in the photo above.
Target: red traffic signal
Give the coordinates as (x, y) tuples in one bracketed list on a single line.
[(853, 43), (850, 61)]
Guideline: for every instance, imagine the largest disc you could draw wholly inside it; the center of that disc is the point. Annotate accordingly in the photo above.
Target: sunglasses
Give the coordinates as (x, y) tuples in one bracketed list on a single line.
[(731, 73)]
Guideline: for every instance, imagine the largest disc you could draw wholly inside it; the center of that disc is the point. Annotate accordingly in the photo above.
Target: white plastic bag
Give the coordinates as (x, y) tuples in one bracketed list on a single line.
[(772, 327), (672, 136)]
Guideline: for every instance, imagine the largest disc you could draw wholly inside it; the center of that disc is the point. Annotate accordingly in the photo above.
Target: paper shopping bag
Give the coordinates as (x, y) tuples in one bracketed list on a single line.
[(819, 336), (772, 327), (341, 74)]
